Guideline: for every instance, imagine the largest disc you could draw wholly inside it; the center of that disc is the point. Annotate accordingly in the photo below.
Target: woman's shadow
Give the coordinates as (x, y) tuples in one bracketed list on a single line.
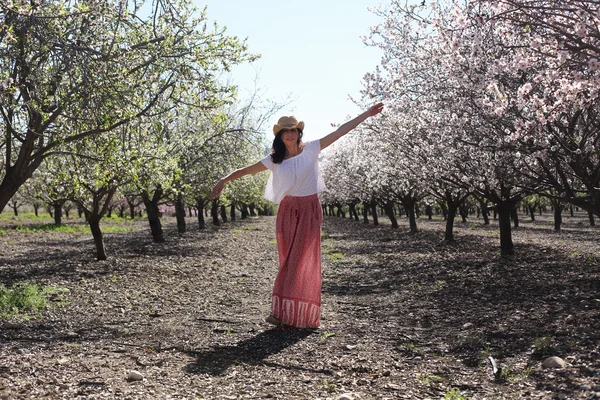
[(252, 351)]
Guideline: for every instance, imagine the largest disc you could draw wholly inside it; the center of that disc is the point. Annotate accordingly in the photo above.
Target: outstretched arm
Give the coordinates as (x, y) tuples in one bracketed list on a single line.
[(251, 169), (348, 126)]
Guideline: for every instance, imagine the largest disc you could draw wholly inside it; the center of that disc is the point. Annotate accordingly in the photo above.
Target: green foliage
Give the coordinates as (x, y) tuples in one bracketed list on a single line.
[(427, 380), (455, 394), (506, 374), (439, 284), (334, 255), (69, 229), (541, 344), (74, 229), (23, 217), (328, 386), (25, 300)]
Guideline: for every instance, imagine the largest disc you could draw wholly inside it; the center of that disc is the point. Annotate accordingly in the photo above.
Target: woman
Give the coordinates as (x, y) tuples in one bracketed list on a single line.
[(294, 183)]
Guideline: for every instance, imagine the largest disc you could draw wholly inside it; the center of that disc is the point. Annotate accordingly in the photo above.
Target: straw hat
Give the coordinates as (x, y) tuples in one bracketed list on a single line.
[(287, 123)]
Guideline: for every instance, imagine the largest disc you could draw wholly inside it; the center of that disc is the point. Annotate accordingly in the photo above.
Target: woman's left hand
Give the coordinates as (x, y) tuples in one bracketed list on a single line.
[(374, 110), (217, 190)]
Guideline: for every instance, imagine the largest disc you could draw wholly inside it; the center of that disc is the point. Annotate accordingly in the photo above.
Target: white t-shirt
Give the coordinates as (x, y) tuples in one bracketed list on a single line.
[(296, 176)]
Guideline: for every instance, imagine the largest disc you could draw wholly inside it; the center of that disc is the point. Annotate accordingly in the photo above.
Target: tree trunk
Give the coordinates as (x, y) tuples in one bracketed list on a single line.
[(365, 213), (154, 214), (557, 216), (373, 206), (507, 247), (131, 205), (388, 207), (57, 206), (232, 211), (223, 212), (515, 216), (532, 213), (94, 222), (485, 213), (353, 213), (429, 211), (244, 211), (37, 207), (463, 213), (15, 209), (214, 212), (449, 235), (592, 219), (251, 207), (409, 207), (200, 206), (412, 220), (12, 181), (180, 214), (444, 208)]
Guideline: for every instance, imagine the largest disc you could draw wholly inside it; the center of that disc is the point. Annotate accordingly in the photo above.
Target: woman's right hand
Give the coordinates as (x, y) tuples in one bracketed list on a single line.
[(217, 190)]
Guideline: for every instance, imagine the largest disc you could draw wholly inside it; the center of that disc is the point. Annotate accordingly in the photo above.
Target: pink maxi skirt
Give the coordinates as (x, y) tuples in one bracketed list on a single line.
[(296, 297)]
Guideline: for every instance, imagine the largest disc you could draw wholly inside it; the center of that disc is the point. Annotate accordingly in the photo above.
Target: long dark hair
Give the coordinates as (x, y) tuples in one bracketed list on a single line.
[(278, 151)]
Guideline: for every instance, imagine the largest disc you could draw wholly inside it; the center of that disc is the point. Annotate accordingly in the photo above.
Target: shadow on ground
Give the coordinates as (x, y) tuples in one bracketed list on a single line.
[(253, 351), (463, 299)]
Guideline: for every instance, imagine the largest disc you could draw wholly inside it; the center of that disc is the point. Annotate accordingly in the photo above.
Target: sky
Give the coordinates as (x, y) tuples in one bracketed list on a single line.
[(311, 50)]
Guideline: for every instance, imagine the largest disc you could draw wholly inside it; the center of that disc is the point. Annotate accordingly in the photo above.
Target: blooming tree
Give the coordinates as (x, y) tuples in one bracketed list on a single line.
[(71, 70)]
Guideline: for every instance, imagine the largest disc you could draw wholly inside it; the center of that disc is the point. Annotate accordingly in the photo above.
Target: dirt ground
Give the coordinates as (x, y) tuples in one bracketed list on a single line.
[(404, 316)]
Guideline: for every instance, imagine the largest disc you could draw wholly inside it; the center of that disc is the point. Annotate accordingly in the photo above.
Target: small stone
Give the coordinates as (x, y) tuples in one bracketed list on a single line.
[(346, 396), (570, 320), (393, 386), (134, 376), (351, 346), (468, 325), (554, 362), (585, 387)]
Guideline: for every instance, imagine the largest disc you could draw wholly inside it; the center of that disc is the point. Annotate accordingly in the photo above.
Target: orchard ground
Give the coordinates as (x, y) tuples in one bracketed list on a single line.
[(404, 315)]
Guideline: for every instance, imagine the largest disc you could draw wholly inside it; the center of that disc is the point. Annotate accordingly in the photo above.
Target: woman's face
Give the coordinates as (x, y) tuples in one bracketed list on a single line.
[(290, 136)]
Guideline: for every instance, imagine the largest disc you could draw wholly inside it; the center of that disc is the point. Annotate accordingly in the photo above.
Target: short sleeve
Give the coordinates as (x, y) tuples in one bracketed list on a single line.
[(314, 147), (267, 162)]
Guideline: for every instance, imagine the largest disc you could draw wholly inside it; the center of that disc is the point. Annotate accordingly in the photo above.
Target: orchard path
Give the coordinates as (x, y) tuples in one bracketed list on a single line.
[(404, 316)]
